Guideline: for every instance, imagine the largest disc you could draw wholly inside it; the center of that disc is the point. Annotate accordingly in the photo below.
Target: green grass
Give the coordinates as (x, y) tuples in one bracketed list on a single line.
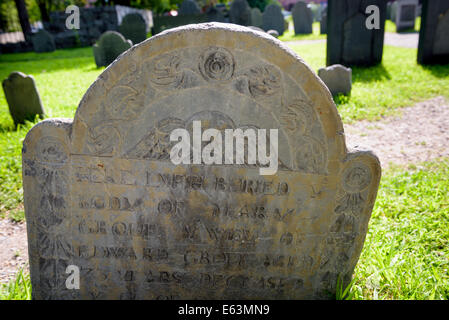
[(406, 252), (17, 289), (315, 35)]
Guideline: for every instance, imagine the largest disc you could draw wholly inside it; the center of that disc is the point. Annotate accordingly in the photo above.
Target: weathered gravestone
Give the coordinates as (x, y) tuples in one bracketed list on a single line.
[(323, 22), (101, 192), (240, 13), (272, 19), (189, 7), (405, 14), (22, 97), (434, 33), (110, 45), (337, 78), (349, 41), (256, 17), (134, 28), (43, 41), (302, 18), (215, 15)]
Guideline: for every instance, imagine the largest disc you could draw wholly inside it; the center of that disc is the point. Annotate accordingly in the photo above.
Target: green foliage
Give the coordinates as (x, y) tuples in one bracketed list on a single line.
[(18, 289)]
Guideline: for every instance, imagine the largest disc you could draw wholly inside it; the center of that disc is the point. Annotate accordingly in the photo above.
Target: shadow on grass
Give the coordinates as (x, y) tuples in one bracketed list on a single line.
[(370, 74), (437, 70)]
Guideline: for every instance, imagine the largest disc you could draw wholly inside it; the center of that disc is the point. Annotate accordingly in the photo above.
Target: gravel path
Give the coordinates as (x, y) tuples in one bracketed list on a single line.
[(421, 133)]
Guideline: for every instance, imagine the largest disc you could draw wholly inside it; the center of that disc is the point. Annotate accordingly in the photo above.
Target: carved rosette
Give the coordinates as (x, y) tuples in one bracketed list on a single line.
[(217, 64)]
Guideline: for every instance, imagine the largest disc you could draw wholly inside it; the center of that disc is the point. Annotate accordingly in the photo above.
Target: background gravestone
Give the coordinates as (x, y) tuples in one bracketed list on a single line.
[(323, 22), (140, 227), (272, 19), (43, 41), (256, 17), (433, 44), (240, 13), (214, 15), (337, 78), (405, 14), (22, 97), (134, 28), (110, 45), (349, 42), (302, 18), (189, 7)]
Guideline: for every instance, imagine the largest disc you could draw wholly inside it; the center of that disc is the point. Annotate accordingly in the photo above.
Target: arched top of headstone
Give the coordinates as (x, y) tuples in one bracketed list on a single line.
[(259, 82)]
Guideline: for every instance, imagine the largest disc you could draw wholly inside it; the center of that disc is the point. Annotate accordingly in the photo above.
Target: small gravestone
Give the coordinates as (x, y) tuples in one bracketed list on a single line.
[(110, 45), (337, 78), (240, 13), (256, 28), (22, 97), (433, 44), (302, 18), (188, 7), (43, 41), (134, 28), (256, 17), (323, 22), (273, 33), (272, 19), (349, 41), (214, 15), (102, 194), (405, 15)]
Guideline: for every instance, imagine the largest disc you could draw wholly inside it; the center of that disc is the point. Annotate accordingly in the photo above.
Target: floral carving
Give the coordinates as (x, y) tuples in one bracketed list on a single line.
[(263, 80)]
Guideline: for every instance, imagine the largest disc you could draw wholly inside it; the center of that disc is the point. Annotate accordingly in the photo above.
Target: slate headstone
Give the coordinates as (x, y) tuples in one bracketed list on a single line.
[(240, 13), (22, 97), (302, 18), (256, 17), (189, 7), (43, 41), (134, 28), (323, 22), (272, 19), (406, 14), (337, 78), (433, 44), (349, 42), (110, 45), (101, 193), (215, 15)]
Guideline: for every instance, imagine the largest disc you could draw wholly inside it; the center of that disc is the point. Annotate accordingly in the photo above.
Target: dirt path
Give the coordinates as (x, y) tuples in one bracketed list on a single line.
[(421, 133)]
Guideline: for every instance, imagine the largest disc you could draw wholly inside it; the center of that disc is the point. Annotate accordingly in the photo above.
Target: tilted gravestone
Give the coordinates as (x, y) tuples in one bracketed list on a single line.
[(302, 18), (43, 41), (23, 98), (405, 14), (337, 78), (349, 41), (189, 7), (134, 28), (240, 13), (110, 45), (433, 44), (272, 19), (256, 17), (101, 193)]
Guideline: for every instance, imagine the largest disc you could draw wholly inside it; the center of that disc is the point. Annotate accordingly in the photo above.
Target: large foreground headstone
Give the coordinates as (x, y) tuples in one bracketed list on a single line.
[(102, 194), (240, 13), (405, 14), (272, 19), (134, 28), (349, 41), (23, 98), (302, 18), (434, 33), (110, 45)]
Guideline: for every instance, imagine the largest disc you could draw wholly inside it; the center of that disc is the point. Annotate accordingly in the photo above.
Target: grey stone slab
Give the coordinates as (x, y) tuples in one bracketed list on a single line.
[(337, 78), (134, 28), (101, 193), (110, 45), (433, 47), (22, 97), (43, 41), (302, 18), (240, 13), (215, 15), (256, 17), (272, 19), (349, 42), (405, 14), (189, 7)]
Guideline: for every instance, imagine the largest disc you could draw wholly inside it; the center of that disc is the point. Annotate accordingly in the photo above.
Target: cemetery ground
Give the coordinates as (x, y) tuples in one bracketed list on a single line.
[(406, 253)]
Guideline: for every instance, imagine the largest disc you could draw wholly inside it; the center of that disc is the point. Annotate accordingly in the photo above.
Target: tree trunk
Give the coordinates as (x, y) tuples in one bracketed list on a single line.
[(24, 19), (43, 9)]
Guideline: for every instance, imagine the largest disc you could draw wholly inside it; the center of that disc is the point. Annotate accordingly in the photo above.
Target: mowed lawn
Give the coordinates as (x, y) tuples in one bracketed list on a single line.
[(406, 254)]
